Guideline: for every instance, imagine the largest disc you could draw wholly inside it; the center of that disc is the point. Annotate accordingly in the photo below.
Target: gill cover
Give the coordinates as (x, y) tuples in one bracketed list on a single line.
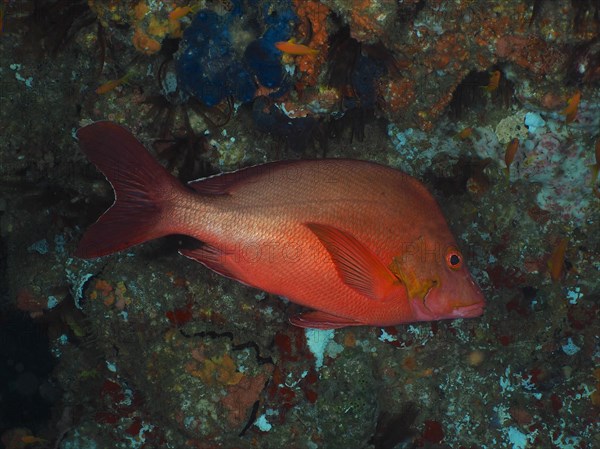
[(408, 267)]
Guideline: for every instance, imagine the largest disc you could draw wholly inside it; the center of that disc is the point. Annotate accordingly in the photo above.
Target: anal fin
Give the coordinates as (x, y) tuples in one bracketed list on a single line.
[(322, 320), (211, 257)]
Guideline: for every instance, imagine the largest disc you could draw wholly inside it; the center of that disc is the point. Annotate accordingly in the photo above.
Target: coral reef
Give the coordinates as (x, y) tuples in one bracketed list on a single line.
[(145, 349)]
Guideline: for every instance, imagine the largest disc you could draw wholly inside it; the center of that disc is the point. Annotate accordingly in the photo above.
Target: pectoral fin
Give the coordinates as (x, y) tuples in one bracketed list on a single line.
[(356, 264)]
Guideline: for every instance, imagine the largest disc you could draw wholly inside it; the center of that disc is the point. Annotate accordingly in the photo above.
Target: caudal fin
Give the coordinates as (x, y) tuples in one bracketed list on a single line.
[(141, 186)]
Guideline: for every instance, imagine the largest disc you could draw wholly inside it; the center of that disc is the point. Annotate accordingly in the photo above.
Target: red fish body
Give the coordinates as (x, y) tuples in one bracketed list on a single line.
[(361, 243)]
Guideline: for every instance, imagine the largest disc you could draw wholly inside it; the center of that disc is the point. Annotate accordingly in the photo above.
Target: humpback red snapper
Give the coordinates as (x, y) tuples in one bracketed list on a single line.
[(358, 242)]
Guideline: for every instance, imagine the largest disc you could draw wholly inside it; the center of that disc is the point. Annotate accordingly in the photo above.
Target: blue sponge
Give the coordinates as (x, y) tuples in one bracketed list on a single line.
[(210, 69)]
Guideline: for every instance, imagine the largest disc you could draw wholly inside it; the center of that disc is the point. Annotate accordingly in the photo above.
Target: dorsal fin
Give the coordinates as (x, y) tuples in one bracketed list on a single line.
[(225, 183)]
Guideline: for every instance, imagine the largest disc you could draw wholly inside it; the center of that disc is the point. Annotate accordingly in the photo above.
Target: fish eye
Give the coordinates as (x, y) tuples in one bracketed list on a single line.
[(454, 259)]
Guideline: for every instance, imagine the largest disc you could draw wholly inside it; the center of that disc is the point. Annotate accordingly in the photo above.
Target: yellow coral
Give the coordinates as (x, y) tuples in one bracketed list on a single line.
[(314, 15), (157, 27), (220, 369), (145, 43), (140, 10)]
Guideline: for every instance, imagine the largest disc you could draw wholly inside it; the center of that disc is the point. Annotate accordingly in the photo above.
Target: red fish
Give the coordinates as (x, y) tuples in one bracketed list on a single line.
[(179, 12), (570, 112), (361, 243), (509, 155), (113, 84), (292, 48), (494, 81), (556, 262)]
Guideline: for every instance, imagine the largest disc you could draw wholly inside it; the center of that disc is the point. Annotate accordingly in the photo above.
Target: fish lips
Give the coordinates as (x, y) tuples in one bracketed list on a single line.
[(475, 308), (470, 311)]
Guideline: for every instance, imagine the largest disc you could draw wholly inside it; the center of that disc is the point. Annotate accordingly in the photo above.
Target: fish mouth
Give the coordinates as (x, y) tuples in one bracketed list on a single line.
[(470, 311)]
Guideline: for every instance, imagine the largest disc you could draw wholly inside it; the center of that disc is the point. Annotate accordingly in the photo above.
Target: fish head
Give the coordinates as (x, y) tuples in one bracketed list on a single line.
[(438, 283)]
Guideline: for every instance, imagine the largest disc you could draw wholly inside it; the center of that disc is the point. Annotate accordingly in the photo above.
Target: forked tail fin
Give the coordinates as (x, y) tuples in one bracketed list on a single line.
[(141, 185)]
